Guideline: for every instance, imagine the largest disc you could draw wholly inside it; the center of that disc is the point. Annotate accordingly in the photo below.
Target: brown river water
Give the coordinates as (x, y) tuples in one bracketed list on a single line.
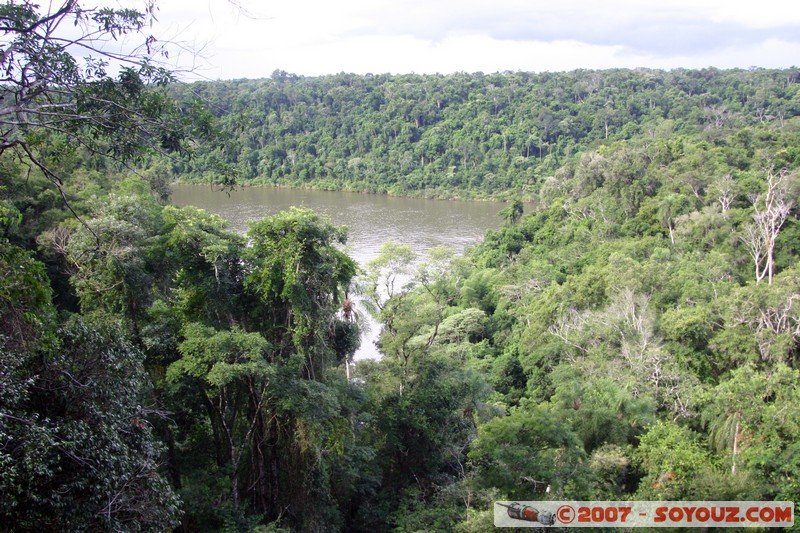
[(371, 220)]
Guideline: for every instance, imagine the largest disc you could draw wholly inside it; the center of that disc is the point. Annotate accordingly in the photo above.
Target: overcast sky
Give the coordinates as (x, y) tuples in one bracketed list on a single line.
[(314, 37)]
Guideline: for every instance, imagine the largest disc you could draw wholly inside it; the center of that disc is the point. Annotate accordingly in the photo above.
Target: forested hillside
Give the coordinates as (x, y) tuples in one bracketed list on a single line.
[(483, 135), (631, 332)]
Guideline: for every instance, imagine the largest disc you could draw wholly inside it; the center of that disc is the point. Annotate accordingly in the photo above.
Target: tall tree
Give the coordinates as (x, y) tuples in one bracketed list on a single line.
[(770, 212), (262, 370)]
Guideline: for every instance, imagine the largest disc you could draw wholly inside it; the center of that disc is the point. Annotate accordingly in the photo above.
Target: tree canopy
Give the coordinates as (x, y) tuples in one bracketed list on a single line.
[(631, 331), (493, 135)]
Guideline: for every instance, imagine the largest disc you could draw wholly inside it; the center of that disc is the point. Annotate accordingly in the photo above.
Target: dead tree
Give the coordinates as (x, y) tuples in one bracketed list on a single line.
[(770, 211)]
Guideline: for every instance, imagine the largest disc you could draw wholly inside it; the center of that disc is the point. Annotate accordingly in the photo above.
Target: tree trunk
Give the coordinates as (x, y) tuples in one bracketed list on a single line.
[(736, 441)]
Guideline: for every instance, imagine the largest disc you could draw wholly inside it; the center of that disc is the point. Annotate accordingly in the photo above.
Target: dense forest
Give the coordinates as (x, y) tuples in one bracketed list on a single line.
[(476, 135), (631, 332)]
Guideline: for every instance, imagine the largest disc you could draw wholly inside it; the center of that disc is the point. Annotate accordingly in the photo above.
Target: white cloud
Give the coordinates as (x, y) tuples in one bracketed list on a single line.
[(314, 37), (762, 14)]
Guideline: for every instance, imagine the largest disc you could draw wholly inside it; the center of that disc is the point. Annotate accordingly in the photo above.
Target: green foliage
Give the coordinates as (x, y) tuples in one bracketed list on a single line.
[(525, 452), (599, 411), (78, 450), (200, 261), (110, 278), (221, 358), (513, 213), (260, 363), (603, 322), (10, 217), (83, 453), (26, 315), (300, 279), (609, 342), (416, 513), (671, 456), (481, 290), (475, 134), (751, 420), (610, 466), (61, 92)]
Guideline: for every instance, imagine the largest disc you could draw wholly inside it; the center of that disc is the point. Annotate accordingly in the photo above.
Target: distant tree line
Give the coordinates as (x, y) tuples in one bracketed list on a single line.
[(476, 134)]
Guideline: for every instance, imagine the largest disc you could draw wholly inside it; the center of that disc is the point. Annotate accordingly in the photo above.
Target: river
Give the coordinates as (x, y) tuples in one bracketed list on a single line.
[(371, 220)]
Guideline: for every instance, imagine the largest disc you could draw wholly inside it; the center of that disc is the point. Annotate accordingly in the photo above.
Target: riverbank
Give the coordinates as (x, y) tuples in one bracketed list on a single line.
[(426, 194)]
